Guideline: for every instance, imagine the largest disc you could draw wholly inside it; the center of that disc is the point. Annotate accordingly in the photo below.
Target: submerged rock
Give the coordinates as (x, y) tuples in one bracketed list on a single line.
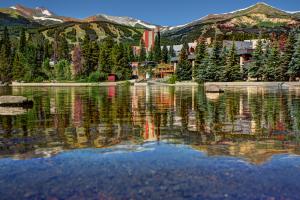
[(213, 89), (15, 101), (12, 111)]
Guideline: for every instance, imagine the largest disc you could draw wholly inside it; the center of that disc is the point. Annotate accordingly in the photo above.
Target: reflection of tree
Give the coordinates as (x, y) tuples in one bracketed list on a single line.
[(255, 105), (102, 117), (271, 110), (201, 108)]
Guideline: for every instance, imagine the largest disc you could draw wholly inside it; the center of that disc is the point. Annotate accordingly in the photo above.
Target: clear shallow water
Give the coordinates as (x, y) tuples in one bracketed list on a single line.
[(151, 143)]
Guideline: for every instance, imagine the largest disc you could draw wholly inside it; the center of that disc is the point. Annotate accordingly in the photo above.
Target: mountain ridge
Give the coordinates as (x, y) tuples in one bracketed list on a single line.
[(260, 17)]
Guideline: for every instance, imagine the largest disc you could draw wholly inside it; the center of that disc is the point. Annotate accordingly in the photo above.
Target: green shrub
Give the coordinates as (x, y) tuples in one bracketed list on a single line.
[(97, 76), (172, 79)]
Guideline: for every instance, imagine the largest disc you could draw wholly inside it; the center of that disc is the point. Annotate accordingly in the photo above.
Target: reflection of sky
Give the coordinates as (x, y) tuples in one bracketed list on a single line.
[(161, 171)]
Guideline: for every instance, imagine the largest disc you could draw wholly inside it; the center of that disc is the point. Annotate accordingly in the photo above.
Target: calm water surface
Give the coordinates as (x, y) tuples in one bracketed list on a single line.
[(151, 143)]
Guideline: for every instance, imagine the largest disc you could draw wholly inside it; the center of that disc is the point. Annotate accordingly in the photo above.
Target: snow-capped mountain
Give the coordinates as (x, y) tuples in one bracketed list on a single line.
[(127, 21), (39, 14), (259, 8)]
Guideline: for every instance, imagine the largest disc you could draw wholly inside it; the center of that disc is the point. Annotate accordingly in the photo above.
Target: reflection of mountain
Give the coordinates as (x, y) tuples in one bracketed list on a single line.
[(104, 117), (253, 152)]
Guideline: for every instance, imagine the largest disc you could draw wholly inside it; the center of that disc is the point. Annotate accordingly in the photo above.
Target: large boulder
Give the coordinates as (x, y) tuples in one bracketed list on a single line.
[(13, 101)]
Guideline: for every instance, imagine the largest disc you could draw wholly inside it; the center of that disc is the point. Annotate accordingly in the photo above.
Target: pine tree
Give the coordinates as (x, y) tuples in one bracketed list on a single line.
[(232, 71), (19, 66), (294, 66), (95, 51), (130, 54), (62, 70), (150, 56), (172, 52), (32, 69), (47, 70), (105, 57), (63, 49), (223, 56), (22, 41), (286, 58), (165, 54), (5, 56), (6, 42), (200, 55), (122, 67), (256, 68), (157, 49), (184, 68), (87, 54), (5, 75), (272, 63), (200, 72), (214, 69), (142, 56)]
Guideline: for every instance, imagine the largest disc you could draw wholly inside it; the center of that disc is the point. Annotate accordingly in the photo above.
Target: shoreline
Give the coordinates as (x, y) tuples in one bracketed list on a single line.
[(225, 85), (187, 83), (67, 84)]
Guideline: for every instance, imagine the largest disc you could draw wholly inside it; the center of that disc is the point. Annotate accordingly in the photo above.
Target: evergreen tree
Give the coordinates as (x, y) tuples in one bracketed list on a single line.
[(47, 70), (22, 41), (47, 50), (87, 55), (184, 68), (105, 57), (257, 67), (63, 49), (5, 75), (165, 54), (172, 52), (232, 71), (272, 63), (200, 72), (150, 56), (294, 66), (130, 54), (142, 56), (122, 68), (19, 66), (157, 49), (62, 70), (32, 68), (286, 57), (5, 56), (214, 69), (223, 56), (95, 51), (200, 55), (6, 42)]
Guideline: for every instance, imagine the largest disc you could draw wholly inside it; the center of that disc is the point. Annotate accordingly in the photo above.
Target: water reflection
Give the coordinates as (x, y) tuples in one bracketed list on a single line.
[(253, 123)]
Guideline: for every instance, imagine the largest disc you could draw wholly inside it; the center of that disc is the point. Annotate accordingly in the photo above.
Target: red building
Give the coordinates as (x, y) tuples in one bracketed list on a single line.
[(149, 38)]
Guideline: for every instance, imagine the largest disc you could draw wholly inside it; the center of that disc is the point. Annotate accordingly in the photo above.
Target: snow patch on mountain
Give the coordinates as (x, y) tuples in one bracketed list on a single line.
[(47, 18), (46, 12), (13, 7), (128, 21)]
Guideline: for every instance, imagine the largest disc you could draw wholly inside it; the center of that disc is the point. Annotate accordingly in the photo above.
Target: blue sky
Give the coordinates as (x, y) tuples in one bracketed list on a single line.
[(162, 12)]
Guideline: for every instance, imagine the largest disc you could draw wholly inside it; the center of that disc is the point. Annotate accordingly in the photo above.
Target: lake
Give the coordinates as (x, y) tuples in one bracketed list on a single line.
[(152, 142)]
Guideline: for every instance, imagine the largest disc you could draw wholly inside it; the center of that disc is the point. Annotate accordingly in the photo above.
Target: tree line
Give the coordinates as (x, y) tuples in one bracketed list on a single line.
[(33, 58), (217, 63)]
